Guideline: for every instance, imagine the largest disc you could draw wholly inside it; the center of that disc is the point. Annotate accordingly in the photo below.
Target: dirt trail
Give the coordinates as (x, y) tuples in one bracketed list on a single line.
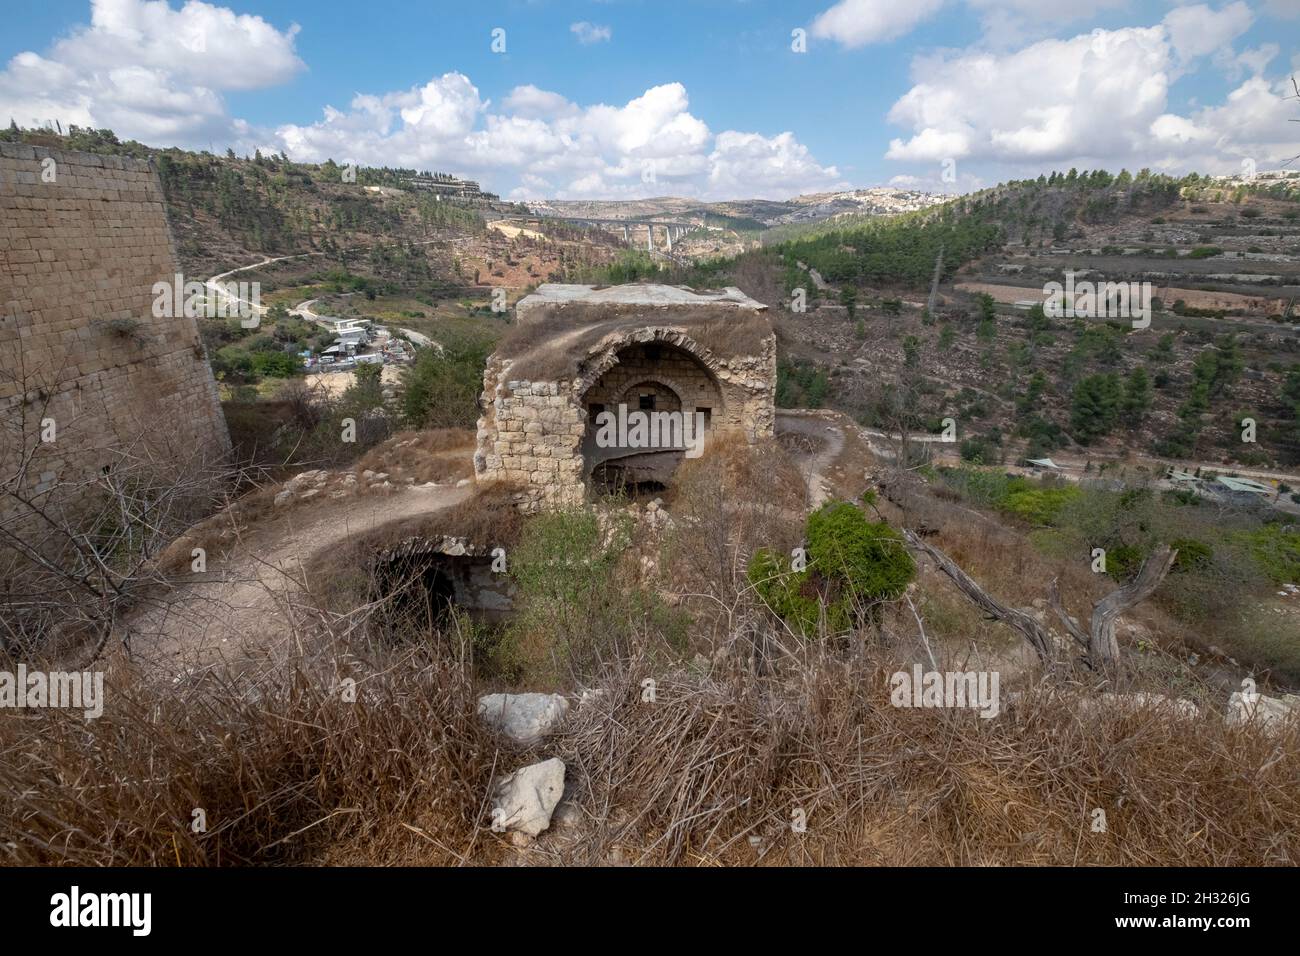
[(827, 436), (236, 608)]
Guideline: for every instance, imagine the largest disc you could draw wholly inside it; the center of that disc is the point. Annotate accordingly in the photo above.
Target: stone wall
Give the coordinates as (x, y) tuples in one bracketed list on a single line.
[(532, 433), (531, 436), (83, 239), (680, 374)]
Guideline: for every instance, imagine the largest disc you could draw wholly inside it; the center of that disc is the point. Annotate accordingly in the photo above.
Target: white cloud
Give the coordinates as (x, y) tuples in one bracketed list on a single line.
[(529, 101), (588, 33), (650, 146), (1100, 98), (747, 164), (855, 23), (149, 71), (1198, 30), (1288, 9), (157, 73), (1010, 22)]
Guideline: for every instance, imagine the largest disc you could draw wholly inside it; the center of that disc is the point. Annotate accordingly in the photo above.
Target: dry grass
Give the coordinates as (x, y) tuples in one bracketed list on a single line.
[(726, 505), (692, 776), (281, 765), (287, 772), (711, 771)]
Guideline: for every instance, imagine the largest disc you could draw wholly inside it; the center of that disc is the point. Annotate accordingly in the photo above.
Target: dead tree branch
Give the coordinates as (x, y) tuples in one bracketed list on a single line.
[(1033, 632), (1100, 642)]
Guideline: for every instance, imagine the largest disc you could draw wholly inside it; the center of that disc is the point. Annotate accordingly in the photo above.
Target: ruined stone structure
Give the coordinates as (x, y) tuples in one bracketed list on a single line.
[(451, 571), (578, 351), (83, 240)]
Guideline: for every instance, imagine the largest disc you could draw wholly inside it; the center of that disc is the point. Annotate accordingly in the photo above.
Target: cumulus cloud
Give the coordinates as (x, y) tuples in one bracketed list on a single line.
[(149, 71), (588, 33), (651, 145), (1100, 98), (747, 164), (530, 102), (157, 73), (1198, 30), (855, 23)]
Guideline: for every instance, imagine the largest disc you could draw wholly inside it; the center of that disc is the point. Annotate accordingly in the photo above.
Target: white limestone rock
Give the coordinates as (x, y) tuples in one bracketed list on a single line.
[(1260, 709), (524, 718), (524, 801)]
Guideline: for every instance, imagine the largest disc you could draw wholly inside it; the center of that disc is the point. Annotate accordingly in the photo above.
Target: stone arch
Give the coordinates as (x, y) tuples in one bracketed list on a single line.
[(602, 360), (661, 360), (659, 381)]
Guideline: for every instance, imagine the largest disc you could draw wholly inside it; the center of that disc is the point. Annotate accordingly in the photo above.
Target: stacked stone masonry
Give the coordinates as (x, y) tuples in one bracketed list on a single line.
[(538, 434), (83, 240)]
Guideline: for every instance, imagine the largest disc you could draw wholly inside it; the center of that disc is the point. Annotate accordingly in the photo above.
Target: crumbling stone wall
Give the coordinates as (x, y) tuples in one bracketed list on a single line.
[(83, 239), (531, 436), (678, 372), (532, 433)]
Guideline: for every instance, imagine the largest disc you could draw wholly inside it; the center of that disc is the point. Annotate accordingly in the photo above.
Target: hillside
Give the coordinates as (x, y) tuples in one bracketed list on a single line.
[(1223, 261)]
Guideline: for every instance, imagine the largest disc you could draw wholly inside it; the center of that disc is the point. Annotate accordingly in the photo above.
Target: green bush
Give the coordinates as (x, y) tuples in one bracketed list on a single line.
[(1193, 555), (441, 389), (867, 558), (276, 364), (853, 564), (800, 384), (1040, 506), (1277, 552), (792, 595), (573, 607), (982, 487)]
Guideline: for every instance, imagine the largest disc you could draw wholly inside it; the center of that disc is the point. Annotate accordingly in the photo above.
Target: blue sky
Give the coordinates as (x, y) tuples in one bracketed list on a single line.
[(629, 98)]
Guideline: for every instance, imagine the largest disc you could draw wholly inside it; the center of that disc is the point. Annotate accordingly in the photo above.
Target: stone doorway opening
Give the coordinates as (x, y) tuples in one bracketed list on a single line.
[(424, 586), (661, 385)]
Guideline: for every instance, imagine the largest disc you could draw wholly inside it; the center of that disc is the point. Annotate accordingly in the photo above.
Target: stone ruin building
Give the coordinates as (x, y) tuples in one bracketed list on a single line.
[(83, 240), (578, 351)]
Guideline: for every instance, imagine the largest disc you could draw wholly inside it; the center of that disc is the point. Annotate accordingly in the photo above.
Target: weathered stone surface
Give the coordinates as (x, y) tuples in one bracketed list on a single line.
[(524, 718), (82, 243), (524, 801), (1259, 709), (540, 434)]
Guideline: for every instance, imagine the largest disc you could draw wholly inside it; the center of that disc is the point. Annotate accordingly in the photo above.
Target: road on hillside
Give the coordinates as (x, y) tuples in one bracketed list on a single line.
[(303, 309)]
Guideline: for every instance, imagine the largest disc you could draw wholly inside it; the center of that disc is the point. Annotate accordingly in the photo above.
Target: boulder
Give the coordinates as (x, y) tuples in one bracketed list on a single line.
[(524, 718), (1267, 712), (525, 800)]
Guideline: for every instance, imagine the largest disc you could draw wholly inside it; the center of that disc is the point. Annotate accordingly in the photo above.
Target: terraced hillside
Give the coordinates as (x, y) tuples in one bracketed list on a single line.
[(1222, 345)]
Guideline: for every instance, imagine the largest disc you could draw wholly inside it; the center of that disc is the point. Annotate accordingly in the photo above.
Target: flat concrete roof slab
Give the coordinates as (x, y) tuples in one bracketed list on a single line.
[(554, 293)]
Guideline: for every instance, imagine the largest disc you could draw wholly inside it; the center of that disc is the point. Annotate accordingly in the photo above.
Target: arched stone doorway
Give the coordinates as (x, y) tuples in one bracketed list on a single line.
[(663, 386)]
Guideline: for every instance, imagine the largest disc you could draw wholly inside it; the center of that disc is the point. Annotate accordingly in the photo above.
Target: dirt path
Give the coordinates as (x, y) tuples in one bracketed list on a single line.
[(237, 608), (828, 440)]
